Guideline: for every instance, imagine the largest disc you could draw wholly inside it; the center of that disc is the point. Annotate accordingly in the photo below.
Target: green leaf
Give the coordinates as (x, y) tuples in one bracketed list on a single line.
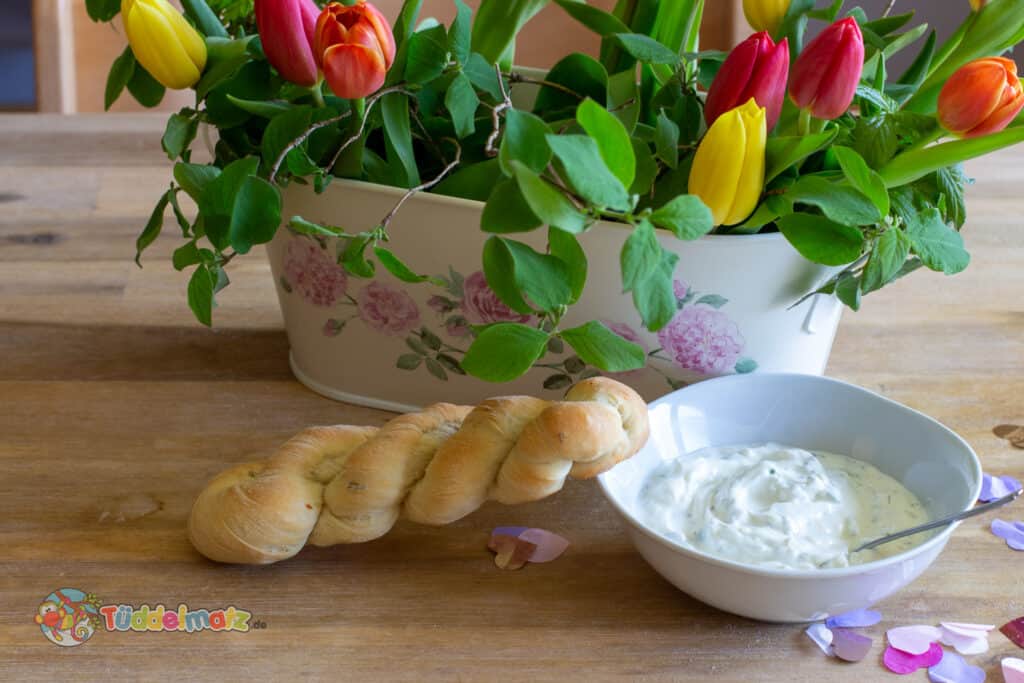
[(217, 201), (547, 203), (398, 133), (460, 33), (473, 181), (204, 18), (180, 132), (497, 24), (282, 131), (186, 255), (525, 141), (462, 102), (869, 183), (200, 294), (785, 152), (646, 49), (938, 246), (587, 173), (267, 110), (153, 227), (194, 178), (655, 297), (406, 21), (102, 10), (713, 300), (256, 214), (505, 351), (745, 366), (224, 58), (121, 71), (397, 267), (822, 241), (301, 226), (848, 290), (579, 74), (597, 20), (409, 361), (146, 90), (612, 139), (596, 345), (499, 270), (647, 169), (887, 258), (641, 256), (666, 140), (353, 258), (543, 279), (566, 247), (507, 211), (686, 216), (916, 164), (483, 76), (839, 202), (427, 55)]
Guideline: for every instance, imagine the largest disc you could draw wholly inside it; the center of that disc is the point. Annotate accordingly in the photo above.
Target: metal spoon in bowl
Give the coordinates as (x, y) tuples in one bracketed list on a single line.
[(973, 512)]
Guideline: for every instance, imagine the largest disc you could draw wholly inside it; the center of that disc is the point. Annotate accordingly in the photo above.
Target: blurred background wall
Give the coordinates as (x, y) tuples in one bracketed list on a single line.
[(53, 58)]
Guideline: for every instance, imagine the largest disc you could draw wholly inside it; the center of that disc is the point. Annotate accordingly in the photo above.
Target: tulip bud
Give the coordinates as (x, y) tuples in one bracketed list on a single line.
[(287, 31), (758, 69), (765, 15), (164, 43), (976, 5), (355, 48), (827, 72), (981, 97), (728, 169)]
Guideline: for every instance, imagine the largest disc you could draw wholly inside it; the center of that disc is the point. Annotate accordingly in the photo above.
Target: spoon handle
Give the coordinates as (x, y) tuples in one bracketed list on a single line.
[(973, 512)]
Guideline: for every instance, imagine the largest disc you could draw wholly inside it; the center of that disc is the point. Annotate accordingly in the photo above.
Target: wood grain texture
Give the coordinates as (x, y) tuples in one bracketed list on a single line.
[(114, 402)]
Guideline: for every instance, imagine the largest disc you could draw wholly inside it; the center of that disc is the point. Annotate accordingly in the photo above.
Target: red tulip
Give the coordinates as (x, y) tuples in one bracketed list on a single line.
[(827, 72), (982, 97), (287, 29), (758, 69), (355, 48)]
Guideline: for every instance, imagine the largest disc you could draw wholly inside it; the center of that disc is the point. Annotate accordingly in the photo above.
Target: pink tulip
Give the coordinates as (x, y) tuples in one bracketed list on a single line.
[(355, 48), (827, 72), (287, 29), (757, 68)]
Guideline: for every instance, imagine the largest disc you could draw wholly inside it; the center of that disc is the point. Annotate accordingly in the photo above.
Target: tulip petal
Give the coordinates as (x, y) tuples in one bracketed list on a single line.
[(188, 37), (286, 28), (385, 37), (751, 182), (971, 95), (733, 78), (718, 165), (353, 71), (826, 74), (156, 46), (769, 82)]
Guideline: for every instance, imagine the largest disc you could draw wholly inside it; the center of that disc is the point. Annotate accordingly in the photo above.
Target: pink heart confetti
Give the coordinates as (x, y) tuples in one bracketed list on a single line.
[(967, 639), (953, 669), (1013, 670), (550, 546), (966, 629), (914, 640), (1014, 630), (993, 487), (858, 618), (510, 552), (849, 645), (1012, 533), (822, 637), (901, 662)]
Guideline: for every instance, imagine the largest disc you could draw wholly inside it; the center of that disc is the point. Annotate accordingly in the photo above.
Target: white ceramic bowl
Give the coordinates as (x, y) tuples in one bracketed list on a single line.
[(818, 414)]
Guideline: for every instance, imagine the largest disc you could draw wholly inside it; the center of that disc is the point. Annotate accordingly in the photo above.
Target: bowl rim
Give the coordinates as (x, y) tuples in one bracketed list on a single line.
[(940, 539)]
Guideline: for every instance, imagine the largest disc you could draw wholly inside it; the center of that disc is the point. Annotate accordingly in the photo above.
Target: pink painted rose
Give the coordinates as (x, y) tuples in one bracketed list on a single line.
[(482, 305), (681, 289), (387, 310), (313, 273), (703, 339)]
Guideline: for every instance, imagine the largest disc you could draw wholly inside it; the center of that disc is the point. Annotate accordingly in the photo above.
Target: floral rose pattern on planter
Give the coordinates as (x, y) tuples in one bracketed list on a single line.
[(701, 339)]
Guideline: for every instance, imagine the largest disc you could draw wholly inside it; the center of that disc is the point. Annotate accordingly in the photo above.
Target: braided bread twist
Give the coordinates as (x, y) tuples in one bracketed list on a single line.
[(346, 484)]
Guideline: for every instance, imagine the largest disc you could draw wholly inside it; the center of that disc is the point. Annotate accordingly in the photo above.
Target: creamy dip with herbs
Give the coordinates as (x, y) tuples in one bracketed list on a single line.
[(780, 507)]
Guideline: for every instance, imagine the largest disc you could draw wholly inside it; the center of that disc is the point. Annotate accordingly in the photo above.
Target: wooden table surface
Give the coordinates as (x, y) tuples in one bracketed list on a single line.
[(117, 407)]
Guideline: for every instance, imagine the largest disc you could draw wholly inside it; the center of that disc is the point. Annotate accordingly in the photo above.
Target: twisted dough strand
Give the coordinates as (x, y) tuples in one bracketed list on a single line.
[(343, 484)]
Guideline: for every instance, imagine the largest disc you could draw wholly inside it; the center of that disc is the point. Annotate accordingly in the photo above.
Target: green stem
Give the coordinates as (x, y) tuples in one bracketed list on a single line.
[(318, 95), (913, 165), (805, 122)]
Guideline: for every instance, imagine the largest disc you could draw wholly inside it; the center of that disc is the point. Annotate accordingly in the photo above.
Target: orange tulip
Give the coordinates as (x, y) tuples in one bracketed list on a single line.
[(354, 48), (981, 98), (978, 4)]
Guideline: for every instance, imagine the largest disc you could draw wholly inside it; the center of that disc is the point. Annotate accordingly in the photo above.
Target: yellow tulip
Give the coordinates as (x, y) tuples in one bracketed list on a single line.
[(728, 169), (164, 42), (765, 15)]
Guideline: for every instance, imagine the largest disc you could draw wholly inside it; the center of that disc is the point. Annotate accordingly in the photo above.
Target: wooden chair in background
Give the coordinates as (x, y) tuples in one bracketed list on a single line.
[(73, 54)]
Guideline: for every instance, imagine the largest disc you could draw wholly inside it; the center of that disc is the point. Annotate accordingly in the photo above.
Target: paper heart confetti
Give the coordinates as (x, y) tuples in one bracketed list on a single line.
[(993, 487), (1011, 532), (967, 639), (849, 645), (858, 618), (953, 669), (901, 662), (515, 546), (914, 640), (822, 637), (1014, 630), (1013, 670)]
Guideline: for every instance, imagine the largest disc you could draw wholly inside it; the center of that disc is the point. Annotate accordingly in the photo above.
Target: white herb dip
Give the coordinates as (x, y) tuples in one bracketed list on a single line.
[(780, 507)]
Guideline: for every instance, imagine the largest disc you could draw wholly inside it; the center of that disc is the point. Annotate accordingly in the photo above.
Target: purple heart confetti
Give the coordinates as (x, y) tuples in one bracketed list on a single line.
[(849, 645), (858, 618), (953, 669), (513, 531), (901, 662), (822, 637), (993, 487), (1012, 533), (914, 640)]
